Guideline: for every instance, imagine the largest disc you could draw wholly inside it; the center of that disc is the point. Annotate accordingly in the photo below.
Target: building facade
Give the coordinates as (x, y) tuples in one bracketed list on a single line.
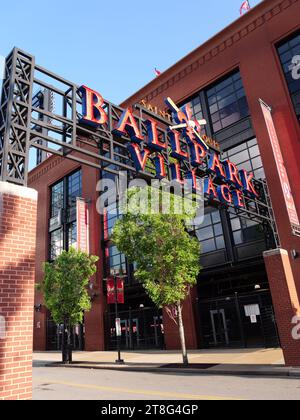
[(233, 304)]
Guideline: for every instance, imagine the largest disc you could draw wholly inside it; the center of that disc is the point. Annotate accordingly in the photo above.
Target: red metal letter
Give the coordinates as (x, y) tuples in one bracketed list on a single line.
[(128, 124), (92, 103)]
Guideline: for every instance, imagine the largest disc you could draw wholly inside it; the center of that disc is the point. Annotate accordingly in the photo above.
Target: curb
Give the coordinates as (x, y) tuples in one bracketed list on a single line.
[(287, 373)]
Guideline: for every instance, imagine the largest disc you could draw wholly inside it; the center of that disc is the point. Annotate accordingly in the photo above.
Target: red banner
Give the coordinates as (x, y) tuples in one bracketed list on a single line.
[(82, 226), (110, 285), (285, 184), (120, 291)]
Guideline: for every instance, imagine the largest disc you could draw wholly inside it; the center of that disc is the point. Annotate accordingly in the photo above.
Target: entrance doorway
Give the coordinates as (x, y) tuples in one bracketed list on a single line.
[(219, 327), (55, 334), (142, 329), (245, 320)]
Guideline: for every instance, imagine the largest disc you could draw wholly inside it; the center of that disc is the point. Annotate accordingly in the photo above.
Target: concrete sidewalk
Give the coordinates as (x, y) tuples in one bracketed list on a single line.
[(257, 362)]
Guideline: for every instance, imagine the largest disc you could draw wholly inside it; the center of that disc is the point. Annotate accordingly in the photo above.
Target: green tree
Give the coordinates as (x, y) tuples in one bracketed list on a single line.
[(165, 254), (65, 291)]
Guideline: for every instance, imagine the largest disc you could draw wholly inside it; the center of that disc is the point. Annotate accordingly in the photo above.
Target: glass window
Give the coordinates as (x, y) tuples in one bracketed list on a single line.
[(247, 156), (56, 243), (245, 230), (111, 215), (72, 235), (227, 102), (72, 187), (74, 190), (288, 51), (210, 233), (115, 260), (57, 198)]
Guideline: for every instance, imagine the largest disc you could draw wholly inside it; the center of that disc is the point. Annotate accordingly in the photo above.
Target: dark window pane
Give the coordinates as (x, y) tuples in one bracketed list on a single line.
[(74, 188), (287, 51), (215, 117), (205, 233), (254, 151), (216, 216), (259, 174), (295, 41), (229, 98), (247, 156), (223, 84), (213, 108), (238, 237), (218, 229), (72, 235), (220, 242), (57, 198), (56, 244), (235, 224), (210, 234), (217, 126), (257, 163), (283, 48), (208, 246)]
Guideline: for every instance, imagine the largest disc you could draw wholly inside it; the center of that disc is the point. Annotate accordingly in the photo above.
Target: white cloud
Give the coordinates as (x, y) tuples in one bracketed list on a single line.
[(2, 67)]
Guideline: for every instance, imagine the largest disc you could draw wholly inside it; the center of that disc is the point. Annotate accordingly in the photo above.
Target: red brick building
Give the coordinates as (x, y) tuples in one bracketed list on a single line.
[(223, 81), (17, 265)]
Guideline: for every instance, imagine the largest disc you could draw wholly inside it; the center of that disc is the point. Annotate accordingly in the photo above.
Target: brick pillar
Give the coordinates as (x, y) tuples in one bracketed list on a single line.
[(17, 267), (285, 300), (190, 320)]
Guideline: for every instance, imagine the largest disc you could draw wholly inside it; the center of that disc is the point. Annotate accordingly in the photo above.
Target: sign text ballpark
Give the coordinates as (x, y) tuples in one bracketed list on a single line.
[(223, 182)]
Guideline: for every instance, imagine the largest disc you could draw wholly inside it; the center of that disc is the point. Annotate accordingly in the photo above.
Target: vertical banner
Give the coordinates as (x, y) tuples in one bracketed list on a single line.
[(120, 291), (284, 180), (83, 226), (110, 286)]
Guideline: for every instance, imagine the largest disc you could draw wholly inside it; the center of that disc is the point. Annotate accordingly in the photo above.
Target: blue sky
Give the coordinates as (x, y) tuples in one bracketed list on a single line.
[(112, 46)]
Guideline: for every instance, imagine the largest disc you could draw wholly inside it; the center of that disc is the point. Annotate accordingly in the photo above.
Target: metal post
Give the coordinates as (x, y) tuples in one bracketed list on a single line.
[(130, 330), (119, 361), (238, 311)]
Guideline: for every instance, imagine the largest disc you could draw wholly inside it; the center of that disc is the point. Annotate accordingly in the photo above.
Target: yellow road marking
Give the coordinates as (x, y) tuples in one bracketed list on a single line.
[(140, 392)]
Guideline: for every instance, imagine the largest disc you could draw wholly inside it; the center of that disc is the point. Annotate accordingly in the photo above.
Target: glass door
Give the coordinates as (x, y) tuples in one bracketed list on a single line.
[(219, 327)]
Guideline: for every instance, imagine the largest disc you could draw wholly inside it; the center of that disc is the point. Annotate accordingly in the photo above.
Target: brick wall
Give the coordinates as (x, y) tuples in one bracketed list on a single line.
[(286, 301), (41, 178), (17, 266)]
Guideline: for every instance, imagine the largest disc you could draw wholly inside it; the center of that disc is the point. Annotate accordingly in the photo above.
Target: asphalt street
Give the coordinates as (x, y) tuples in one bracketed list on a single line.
[(58, 383)]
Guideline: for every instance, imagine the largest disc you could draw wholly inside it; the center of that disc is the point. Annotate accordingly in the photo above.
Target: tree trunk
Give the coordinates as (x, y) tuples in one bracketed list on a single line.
[(182, 337), (69, 345), (66, 344), (63, 344)]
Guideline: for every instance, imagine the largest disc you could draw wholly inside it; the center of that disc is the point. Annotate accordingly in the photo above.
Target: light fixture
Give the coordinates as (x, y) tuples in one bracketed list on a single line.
[(257, 287)]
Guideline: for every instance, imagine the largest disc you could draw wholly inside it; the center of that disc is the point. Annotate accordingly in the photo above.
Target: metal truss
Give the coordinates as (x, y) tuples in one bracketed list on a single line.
[(26, 122), (15, 117)]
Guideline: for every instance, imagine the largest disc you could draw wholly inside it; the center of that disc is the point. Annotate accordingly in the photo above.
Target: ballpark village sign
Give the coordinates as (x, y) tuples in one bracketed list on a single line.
[(189, 146), (89, 130)]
